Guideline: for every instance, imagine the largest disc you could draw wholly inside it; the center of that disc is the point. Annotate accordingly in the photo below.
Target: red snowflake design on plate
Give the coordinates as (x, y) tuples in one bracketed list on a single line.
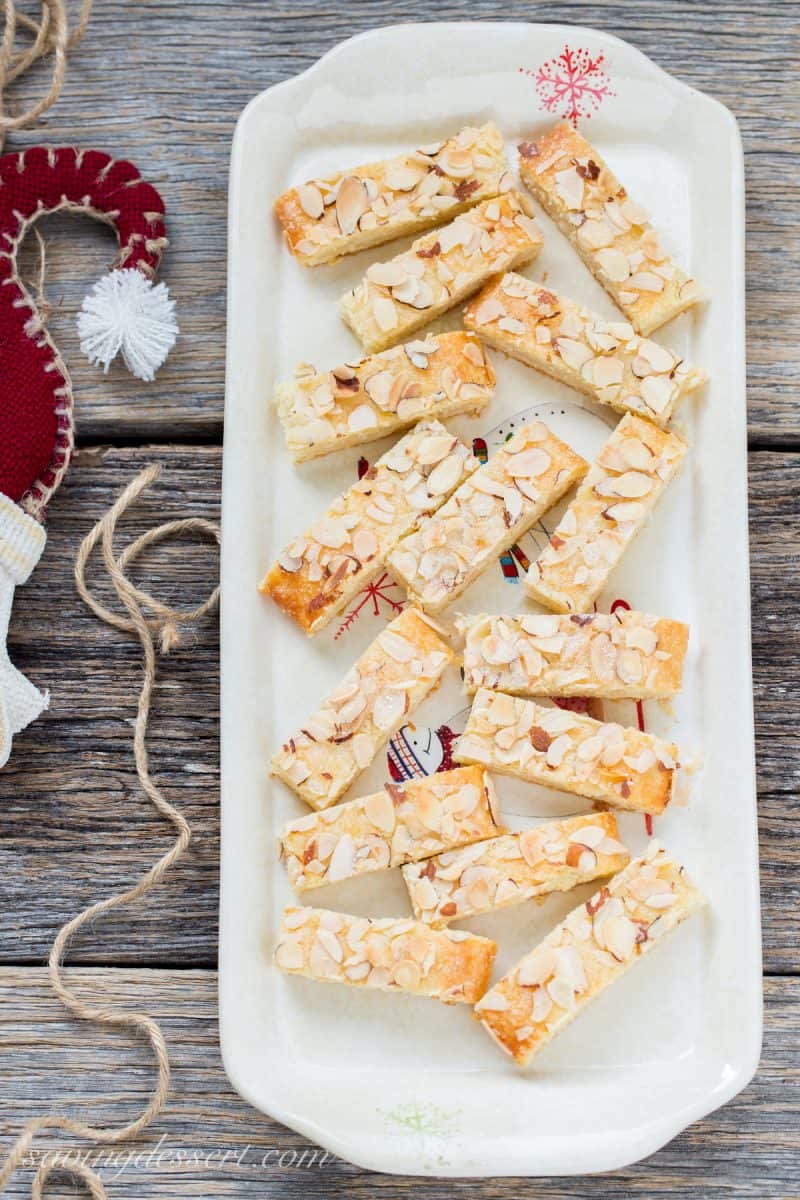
[(572, 85), (378, 593)]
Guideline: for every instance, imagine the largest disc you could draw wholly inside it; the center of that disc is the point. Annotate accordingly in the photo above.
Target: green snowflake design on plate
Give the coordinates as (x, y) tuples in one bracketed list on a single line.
[(428, 1124)]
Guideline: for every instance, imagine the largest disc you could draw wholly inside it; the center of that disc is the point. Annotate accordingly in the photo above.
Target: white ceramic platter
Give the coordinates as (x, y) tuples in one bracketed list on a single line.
[(405, 1084)]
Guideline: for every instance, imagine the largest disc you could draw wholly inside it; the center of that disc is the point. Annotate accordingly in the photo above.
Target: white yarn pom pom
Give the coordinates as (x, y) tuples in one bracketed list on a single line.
[(127, 312)]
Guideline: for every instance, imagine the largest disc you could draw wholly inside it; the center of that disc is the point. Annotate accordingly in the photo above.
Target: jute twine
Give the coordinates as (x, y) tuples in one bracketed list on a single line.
[(162, 626), (50, 35)]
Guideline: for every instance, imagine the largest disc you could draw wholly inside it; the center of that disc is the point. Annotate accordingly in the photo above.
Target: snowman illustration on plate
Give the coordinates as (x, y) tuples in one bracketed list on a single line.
[(419, 750)]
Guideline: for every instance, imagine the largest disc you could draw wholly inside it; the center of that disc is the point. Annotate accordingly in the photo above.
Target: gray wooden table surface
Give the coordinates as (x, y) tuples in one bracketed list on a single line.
[(162, 83)]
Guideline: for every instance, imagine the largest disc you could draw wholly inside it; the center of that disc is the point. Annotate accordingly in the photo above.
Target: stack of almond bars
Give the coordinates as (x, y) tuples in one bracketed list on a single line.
[(436, 518)]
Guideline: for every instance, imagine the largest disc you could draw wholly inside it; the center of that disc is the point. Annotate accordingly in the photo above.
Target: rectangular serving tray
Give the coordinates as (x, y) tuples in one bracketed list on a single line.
[(404, 1084)]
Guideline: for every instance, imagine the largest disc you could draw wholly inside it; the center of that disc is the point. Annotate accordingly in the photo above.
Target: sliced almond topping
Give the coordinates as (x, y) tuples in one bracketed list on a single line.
[(542, 1005), (365, 544), (445, 476), (340, 867), (493, 1001), (473, 352), (379, 809), (351, 201), (536, 968), (640, 638), (645, 281), (569, 186), (362, 750), (620, 937), (557, 749), (530, 844), (385, 313), (330, 943), (590, 748), (636, 454), (632, 485), (615, 264), (402, 177), (389, 707), (489, 310), (657, 391), (588, 835), (530, 463), (310, 198), (657, 356), (642, 761), (457, 163), (502, 709), (288, 562), (607, 372), (361, 418), (575, 354), (596, 233), (629, 666), (602, 656), (433, 449), (289, 955), (424, 894), (396, 647), (388, 274)]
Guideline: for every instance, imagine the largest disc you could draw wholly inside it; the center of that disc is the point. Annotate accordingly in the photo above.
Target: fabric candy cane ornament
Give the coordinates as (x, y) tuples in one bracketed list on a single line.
[(125, 313)]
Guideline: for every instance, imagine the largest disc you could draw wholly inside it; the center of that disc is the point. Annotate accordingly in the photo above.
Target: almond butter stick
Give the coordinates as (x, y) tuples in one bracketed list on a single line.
[(590, 949), (442, 375), (506, 870), (564, 750), (335, 744), (352, 210), (320, 572), (402, 823), (485, 515), (610, 231), (441, 269), (624, 655), (611, 506), (389, 955), (603, 359)]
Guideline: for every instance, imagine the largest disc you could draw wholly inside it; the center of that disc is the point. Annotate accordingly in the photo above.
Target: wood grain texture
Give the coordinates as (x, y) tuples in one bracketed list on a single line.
[(72, 821), (180, 84), (163, 84), (747, 1149)]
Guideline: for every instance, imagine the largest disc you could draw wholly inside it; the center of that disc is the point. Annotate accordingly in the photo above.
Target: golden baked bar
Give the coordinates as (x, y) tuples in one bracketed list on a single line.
[(519, 866), (486, 515), (592, 947), (623, 655), (394, 674), (400, 824), (440, 376), (611, 506), (366, 206), (440, 270), (610, 231), (390, 954), (320, 572), (569, 752), (603, 359)]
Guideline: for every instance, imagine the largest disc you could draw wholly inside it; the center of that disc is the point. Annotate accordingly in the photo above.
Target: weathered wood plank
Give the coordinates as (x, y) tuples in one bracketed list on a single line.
[(179, 86), (747, 1149), (72, 822)]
